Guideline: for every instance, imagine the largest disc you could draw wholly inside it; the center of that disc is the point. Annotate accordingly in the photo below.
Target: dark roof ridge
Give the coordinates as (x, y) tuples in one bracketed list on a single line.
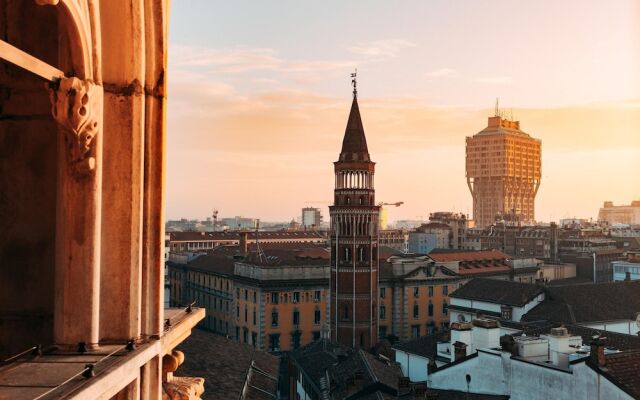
[(367, 366), (354, 143)]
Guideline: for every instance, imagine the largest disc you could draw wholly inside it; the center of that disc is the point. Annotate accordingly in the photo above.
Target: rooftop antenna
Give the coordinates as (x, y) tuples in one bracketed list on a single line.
[(261, 256), (215, 219), (354, 83), (497, 112)]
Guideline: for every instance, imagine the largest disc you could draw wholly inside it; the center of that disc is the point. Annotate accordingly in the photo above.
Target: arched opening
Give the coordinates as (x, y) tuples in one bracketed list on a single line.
[(29, 147)]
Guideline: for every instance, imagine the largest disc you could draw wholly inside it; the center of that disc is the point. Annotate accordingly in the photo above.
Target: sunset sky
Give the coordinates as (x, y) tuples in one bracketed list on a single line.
[(259, 94)]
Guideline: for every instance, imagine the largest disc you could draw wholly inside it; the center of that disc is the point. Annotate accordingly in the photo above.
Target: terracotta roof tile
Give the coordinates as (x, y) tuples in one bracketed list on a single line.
[(471, 255), (624, 369), (224, 364)]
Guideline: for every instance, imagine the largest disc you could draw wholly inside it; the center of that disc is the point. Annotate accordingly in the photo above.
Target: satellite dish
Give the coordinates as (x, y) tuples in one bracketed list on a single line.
[(461, 318)]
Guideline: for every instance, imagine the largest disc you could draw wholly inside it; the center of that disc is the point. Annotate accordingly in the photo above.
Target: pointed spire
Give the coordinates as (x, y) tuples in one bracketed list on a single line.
[(354, 144)]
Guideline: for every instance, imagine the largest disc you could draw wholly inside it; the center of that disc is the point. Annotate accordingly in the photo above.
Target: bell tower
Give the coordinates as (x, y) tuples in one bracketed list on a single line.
[(354, 240)]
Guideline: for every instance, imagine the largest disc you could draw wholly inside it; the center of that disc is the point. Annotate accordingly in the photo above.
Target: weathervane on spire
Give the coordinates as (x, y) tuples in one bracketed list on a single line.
[(354, 83)]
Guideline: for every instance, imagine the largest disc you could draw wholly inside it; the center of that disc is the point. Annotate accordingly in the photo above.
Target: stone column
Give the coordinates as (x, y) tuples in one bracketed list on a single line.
[(77, 107)]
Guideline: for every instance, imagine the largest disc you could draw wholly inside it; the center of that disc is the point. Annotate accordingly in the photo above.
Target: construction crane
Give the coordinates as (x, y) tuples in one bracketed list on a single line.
[(397, 204)]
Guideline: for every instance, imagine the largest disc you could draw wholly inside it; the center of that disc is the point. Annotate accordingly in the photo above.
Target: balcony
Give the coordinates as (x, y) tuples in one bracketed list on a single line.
[(51, 373)]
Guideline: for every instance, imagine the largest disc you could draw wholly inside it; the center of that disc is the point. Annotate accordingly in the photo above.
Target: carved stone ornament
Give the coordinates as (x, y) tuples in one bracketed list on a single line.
[(77, 107), (179, 387)]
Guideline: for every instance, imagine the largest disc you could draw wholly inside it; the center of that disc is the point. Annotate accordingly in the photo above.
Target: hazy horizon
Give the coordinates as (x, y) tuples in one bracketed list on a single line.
[(259, 96)]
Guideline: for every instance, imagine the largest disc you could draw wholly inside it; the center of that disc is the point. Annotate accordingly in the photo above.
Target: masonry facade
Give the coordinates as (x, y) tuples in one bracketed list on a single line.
[(354, 241), (82, 139)]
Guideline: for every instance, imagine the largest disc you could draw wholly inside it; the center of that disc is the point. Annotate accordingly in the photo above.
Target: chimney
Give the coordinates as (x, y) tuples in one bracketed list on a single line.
[(597, 351), (432, 366), (559, 346), (486, 333), (459, 350), (460, 333), (244, 242), (508, 344)]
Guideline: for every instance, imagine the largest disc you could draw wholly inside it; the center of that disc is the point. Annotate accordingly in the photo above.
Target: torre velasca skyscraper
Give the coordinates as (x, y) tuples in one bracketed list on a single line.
[(354, 240), (503, 172)]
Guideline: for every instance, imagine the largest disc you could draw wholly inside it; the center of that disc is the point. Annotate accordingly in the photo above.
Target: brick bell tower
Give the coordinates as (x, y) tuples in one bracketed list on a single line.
[(354, 240)]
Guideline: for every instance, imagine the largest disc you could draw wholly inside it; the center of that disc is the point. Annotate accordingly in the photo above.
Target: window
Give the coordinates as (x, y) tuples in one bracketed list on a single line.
[(430, 291), (316, 335), (416, 292), (237, 333), (275, 297), (295, 339), (316, 317), (445, 290), (415, 331), (445, 308), (238, 312), (345, 312), (347, 256), (361, 253), (382, 332), (416, 311), (285, 297), (274, 318), (274, 342), (382, 293), (296, 317), (246, 313), (316, 296), (254, 315), (255, 298), (254, 339), (383, 312), (296, 297), (430, 310), (245, 335), (246, 294), (237, 293)]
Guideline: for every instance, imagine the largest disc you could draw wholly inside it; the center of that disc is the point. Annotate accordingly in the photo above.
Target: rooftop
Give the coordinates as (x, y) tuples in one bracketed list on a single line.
[(622, 369), (354, 143), (425, 346), (467, 255), (498, 291), (235, 235), (229, 367), (588, 303)]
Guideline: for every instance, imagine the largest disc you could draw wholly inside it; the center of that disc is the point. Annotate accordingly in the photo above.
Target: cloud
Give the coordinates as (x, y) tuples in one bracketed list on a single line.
[(495, 80), (381, 49), (243, 152), (233, 60), (440, 73)]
